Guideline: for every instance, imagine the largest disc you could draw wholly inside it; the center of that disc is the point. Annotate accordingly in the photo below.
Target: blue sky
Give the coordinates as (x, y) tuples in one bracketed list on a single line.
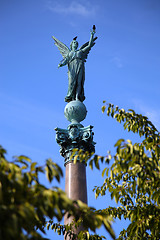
[(122, 68)]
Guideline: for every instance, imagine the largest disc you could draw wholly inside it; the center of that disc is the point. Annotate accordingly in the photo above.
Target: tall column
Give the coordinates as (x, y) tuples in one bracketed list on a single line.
[(75, 181), (79, 137), (75, 187)]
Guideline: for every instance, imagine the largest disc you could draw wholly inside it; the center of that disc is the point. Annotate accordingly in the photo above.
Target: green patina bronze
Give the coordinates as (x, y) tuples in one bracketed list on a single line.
[(75, 59), (75, 136)]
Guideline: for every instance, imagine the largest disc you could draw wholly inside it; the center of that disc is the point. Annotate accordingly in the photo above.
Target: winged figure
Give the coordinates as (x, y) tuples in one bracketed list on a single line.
[(75, 59)]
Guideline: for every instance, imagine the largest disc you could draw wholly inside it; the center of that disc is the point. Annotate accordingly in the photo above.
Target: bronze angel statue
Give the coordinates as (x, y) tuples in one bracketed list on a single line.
[(75, 59)]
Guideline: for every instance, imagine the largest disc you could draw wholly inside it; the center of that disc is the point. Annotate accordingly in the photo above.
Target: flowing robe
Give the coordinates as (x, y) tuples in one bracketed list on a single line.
[(76, 76)]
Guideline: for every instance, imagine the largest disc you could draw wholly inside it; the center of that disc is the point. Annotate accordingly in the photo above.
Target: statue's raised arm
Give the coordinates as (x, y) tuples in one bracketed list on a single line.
[(75, 59), (88, 45)]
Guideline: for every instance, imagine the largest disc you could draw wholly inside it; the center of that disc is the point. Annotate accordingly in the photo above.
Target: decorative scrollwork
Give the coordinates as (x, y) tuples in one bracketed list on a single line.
[(75, 137)]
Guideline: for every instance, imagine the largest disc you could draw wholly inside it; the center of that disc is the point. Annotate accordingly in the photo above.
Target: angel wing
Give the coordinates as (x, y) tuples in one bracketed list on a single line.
[(64, 50), (86, 44)]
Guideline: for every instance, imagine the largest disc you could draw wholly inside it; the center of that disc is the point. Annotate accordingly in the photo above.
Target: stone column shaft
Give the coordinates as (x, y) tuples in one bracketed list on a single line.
[(75, 181), (75, 187)]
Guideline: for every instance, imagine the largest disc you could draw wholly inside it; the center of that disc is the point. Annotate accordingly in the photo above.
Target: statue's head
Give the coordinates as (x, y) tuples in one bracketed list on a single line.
[(74, 44)]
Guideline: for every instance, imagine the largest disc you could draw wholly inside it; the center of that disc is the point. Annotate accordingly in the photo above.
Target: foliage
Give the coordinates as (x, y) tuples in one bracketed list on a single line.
[(133, 179), (25, 203), (68, 231)]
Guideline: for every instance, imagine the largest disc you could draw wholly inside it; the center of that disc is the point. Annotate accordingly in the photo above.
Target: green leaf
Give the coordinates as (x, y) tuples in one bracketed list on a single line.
[(103, 172), (103, 108), (33, 166), (119, 142)]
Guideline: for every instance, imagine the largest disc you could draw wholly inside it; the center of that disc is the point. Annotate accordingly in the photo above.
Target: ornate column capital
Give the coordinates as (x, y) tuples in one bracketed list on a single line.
[(75, 136)]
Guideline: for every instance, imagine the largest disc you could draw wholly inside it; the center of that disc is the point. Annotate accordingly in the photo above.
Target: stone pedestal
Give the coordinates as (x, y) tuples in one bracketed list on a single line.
[(79, 137)]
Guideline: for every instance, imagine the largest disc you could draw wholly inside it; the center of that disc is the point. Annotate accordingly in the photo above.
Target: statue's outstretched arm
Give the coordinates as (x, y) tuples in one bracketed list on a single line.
[(87, 46), (91, 38), (63, 62)]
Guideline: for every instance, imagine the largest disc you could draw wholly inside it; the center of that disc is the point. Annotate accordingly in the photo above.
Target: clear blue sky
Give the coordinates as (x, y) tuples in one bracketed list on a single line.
[(122, 68)]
